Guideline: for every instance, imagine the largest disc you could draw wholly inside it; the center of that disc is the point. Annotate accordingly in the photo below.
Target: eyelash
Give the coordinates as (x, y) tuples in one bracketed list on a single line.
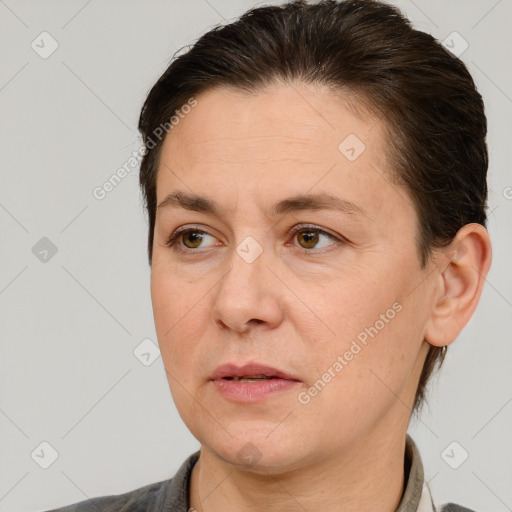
[(175, 237)]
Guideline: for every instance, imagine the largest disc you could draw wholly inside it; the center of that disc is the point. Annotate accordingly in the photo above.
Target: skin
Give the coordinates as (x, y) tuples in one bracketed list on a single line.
[(297, 310)]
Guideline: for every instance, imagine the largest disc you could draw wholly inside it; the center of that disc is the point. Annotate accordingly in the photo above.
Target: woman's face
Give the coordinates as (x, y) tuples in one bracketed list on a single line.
[(330, 297)]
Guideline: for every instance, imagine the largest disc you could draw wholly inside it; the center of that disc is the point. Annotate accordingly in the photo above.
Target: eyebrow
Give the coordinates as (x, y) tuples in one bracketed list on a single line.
[(302, 202)]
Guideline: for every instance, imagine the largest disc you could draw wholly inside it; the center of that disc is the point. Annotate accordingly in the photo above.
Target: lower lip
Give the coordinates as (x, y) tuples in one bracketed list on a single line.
[(252, 391)]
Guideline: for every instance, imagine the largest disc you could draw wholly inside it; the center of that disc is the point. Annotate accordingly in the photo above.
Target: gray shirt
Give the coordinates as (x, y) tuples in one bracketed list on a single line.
[(172, 495)]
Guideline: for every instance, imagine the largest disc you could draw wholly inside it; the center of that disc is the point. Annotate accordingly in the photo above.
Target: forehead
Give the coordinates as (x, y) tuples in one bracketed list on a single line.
[(282, 122), (286, 140)]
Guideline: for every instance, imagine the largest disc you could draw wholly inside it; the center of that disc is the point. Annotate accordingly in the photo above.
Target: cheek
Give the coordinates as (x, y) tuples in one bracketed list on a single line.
[(175, 314), (372, 339), (174, 311), (356, 381), (347, 305), (181, 312)]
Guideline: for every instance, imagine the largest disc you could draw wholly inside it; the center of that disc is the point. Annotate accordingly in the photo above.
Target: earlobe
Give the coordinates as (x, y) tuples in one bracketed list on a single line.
[(462, 269)]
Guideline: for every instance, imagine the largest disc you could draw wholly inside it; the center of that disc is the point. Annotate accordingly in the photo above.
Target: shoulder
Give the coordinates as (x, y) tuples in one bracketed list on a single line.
[(170, 494), (452, 507), (143, 498)]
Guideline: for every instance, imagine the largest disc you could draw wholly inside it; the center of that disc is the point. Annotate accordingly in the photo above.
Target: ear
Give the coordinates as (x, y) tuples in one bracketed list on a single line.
[(464, 265)]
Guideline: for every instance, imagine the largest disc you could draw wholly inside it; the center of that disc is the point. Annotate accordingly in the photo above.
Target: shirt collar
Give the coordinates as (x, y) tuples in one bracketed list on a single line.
[(416, 498)]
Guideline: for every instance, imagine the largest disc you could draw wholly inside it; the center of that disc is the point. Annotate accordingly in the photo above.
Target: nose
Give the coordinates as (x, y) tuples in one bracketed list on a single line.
[(249, 294)]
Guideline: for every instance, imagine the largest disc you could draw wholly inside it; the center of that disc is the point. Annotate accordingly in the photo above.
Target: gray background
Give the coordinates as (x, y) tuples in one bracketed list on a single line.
[(69, 325)]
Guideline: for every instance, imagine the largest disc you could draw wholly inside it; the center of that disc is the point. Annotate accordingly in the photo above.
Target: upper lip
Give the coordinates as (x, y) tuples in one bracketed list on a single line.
[(248, 370)]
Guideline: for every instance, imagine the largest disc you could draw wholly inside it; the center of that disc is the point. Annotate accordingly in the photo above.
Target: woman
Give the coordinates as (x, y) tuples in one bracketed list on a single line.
[(315, 182)]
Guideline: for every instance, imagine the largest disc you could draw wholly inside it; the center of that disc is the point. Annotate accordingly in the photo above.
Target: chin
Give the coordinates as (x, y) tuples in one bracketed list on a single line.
[(255, 450)]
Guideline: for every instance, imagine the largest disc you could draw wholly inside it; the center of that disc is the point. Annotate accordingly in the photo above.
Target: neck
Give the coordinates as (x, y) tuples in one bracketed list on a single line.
[(368, 476)]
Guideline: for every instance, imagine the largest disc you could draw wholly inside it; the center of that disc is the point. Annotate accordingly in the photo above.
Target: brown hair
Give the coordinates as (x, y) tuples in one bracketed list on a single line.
[(433, 114)]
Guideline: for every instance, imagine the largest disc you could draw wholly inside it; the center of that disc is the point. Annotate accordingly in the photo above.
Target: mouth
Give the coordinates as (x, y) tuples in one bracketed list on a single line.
[(250, 372), (251, 382), (253, 378)]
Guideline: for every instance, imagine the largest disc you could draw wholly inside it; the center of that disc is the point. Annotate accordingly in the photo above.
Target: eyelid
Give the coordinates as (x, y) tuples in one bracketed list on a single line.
[(314, 228)]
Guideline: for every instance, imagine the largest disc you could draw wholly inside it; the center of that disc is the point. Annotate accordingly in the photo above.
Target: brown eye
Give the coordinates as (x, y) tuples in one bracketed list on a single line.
[(308, 239), (192, 239), (185, 239)]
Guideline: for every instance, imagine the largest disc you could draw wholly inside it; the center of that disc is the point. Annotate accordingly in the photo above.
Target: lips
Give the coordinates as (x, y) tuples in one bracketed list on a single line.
[(252, 382), (252, 371)]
